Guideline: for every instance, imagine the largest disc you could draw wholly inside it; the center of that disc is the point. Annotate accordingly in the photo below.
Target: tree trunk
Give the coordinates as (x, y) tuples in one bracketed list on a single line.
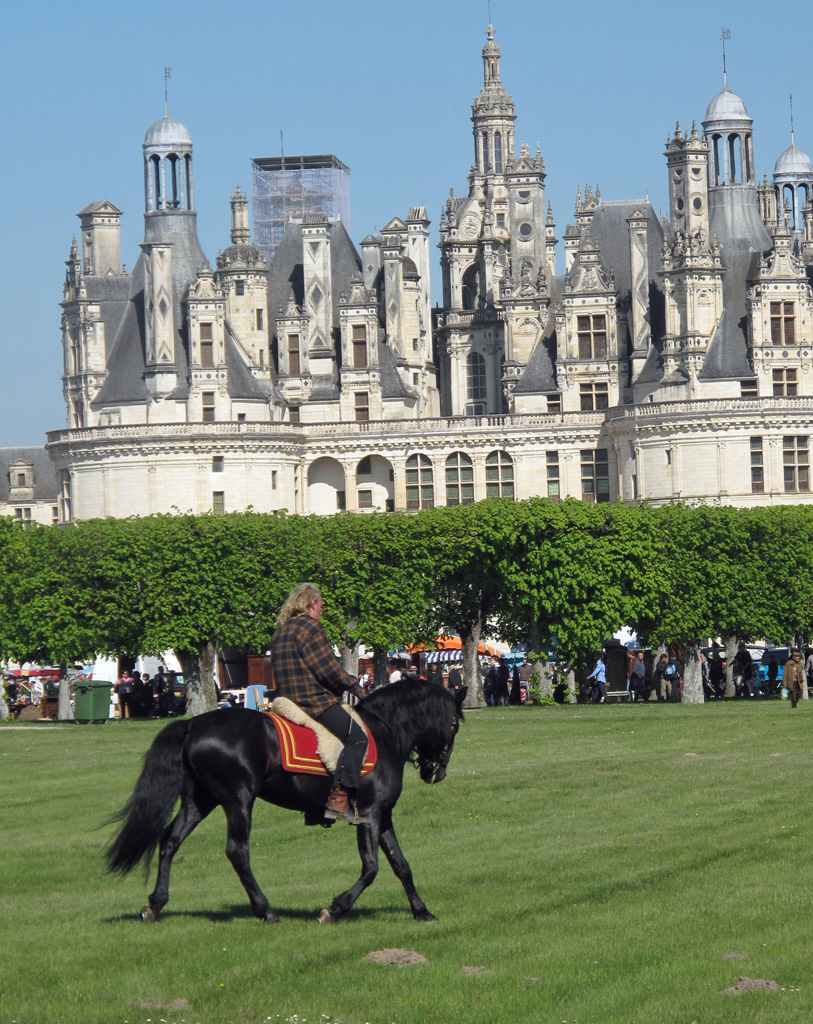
[(470, 638), (3, 707), (572, 697), (198, 675), (692, 674), (379, 667), (534, 637), (730, 654), (64, 709), (350, 659), (542, 667)]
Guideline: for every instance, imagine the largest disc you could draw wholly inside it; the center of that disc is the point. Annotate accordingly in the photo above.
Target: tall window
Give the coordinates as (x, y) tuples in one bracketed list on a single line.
[(552, 467), (259, 319), (218, 502), (783, 323), (784, 383), (362, 406), (592, 335), (459, 479), (208, 406), (593, 396), (476, 391), (217, 463), (206, 345), (239, 287), (796, 463), (595, 475), (293, 355), (499, 475), (293, 414), (498, 152), (359, 346), (420, 485), (757, 468)]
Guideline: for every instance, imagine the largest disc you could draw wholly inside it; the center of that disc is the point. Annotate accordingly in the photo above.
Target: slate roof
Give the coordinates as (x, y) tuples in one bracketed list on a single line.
[(734, 219), (392, 386), (45, 481), (286, 273)]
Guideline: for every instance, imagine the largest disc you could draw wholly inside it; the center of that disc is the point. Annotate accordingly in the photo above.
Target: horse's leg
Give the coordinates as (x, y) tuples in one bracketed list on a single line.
[(367, 837), (403, 872), (191, 813), (238, 818)]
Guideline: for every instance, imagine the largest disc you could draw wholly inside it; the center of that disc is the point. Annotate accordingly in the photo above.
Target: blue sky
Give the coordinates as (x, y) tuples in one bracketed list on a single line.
[(385, 86)]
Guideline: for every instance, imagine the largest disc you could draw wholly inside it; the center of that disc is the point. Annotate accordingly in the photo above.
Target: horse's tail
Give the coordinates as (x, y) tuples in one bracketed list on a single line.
[(146, 814)]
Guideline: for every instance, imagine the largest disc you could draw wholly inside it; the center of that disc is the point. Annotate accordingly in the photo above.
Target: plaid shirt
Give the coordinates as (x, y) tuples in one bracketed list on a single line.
[(304, 667)]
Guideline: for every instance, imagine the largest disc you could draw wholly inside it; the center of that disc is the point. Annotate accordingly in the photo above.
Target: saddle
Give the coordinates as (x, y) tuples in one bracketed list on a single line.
[(306, 746)]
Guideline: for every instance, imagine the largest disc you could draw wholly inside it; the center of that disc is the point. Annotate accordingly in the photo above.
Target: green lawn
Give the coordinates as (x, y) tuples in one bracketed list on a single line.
[(600, 863)]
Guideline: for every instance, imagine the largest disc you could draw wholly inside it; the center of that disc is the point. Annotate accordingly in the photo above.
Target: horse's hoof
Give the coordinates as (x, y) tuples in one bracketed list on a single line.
[(325, 917), (425, 916), (270, 918), (148, 914)]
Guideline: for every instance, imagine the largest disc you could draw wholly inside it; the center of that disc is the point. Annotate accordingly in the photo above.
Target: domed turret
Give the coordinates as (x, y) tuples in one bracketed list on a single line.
[(167, 132), (168, 167), (793, 184), (794, 161), (728, 130), (726, 106)]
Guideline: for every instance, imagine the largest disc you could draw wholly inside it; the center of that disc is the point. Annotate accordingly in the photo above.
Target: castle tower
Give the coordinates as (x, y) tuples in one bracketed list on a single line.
[(793, 184), (240, 234), (732, 189), (100, 239), (492, 115), (687, 159)]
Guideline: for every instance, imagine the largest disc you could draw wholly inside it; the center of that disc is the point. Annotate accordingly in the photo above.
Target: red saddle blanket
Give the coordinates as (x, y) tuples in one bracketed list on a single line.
[(297, 744)]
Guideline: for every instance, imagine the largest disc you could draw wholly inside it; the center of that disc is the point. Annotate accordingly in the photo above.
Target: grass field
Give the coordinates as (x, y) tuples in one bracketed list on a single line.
[(601, 864)]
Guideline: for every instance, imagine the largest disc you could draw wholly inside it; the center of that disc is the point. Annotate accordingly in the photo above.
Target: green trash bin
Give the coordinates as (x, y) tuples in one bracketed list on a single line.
[(91, 700)]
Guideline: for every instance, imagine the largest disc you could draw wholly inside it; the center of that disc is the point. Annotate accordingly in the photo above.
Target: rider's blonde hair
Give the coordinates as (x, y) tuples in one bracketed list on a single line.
[(298, 601)]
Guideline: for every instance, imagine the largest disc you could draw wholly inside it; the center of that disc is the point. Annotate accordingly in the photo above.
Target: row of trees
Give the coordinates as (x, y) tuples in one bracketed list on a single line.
[(525, 571)]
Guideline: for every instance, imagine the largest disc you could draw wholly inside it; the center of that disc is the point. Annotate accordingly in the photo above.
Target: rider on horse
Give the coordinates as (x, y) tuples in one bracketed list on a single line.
[(306, 670)]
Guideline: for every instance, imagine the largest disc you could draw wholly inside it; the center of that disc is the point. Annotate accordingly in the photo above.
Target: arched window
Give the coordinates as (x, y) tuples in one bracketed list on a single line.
[(476, 390), (420, 485), (716, 161), (459, 479), (733, 153), (172, 187), (498, 152), (155, 170), (499, 475), (471, 287)]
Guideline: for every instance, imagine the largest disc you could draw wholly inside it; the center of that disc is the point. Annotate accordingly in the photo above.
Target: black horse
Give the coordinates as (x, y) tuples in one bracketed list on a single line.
[(229, 758)]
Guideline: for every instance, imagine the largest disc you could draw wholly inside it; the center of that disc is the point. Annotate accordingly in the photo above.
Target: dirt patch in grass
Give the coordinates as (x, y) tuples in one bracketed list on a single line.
[(735, 956), (398, 957), (176, 1004), (475, 970), (746, 984)]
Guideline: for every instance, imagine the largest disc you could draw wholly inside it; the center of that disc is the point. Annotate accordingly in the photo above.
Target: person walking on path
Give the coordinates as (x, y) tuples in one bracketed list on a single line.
[(793, 676), (599, 674)]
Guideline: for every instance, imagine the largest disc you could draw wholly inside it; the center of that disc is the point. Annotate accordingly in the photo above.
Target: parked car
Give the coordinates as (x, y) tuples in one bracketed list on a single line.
[(782, 654)]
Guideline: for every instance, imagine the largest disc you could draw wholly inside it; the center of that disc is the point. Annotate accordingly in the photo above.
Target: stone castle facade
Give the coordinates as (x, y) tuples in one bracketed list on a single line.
[(672, 359)]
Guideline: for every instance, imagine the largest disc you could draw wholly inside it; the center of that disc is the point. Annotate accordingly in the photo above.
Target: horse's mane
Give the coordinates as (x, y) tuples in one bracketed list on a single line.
[(413, 712)]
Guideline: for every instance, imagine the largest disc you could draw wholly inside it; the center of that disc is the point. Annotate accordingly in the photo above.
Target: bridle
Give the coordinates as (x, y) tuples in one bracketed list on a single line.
[(437, 766)]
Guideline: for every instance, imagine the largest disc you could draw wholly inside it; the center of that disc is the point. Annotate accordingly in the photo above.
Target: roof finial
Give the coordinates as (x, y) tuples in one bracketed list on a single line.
[(726, 35), (791, 120), (167, 76)]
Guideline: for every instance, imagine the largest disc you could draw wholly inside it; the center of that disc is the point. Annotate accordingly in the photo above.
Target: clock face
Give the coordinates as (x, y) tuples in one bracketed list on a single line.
[(470, 226)]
